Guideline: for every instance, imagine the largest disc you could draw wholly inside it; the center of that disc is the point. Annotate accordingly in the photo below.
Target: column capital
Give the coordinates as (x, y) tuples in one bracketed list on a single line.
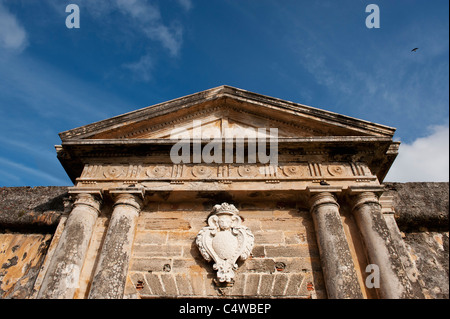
[(128, 196), (355, 190), (364, 198), (91, 197), (322, 198)]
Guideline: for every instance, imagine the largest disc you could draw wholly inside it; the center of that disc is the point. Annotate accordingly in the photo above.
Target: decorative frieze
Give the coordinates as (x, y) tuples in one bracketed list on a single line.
[(226, 173)]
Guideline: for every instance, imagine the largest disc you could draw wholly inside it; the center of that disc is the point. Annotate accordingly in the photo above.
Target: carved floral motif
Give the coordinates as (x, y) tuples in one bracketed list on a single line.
[(157, 171), (336, 170), (293, 170), (113, 172), (247, 171), (201, 171)]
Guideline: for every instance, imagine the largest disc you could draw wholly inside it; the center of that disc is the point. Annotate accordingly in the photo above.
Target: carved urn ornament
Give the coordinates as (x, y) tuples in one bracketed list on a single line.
[(225, 240)]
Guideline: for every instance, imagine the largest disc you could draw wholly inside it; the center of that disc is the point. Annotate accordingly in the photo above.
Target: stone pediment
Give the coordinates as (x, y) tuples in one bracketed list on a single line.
[(213, 126), (304, 133), (224, 108)]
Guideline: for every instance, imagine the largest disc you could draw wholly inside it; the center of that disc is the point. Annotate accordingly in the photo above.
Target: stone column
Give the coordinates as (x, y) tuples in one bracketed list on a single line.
[(380, 247), (111, 272), (63, 273), (339, 271)]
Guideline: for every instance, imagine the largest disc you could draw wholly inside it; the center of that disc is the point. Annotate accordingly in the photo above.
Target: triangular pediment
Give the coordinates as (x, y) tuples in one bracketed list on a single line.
[(219, 113), (209, 128), (218, 123), (225, 109)]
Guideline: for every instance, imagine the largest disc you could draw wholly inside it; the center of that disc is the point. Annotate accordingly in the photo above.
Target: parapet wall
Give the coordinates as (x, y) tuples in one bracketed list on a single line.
[(420, 206), (421, 213)]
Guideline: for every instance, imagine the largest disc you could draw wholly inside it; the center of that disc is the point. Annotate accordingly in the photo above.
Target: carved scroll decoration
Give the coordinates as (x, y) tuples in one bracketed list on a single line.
[(224, 241)]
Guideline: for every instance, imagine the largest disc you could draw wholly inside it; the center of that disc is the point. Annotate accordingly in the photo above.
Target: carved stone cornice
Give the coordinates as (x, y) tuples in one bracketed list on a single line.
[(73, 154), (232, 97), (170, 123)]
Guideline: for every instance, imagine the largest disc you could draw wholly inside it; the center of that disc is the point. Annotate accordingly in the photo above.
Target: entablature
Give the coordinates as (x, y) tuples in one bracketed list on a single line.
[(204, 177)]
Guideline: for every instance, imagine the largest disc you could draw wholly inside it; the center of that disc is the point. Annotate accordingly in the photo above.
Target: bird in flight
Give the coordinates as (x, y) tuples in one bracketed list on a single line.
[(414, 50)]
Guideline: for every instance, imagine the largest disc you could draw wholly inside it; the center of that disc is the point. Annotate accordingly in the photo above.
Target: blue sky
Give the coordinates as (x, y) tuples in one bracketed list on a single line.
[(129, 54)]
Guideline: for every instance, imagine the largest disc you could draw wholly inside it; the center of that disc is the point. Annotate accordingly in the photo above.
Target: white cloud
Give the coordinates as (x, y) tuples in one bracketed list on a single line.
[(148, 19), (186, 4), (52, 93), (140, 22), (140, 17), (142, 68), (12, 35), (425, 160)]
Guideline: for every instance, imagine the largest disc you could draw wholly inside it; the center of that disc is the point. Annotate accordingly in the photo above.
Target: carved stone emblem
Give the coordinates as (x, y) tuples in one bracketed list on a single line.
[(225, 240)]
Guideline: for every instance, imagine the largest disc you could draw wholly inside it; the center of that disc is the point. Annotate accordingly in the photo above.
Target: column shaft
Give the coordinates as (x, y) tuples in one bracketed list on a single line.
[(337, 264), (63, 273), (110, 274), (380, 247)]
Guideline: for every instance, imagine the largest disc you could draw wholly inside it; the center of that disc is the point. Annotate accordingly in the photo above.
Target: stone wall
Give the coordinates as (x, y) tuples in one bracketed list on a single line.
[(31, 208), (28, 219), (21, 256), (429, 252), (421, 213), (165, 262), (420, 206)]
